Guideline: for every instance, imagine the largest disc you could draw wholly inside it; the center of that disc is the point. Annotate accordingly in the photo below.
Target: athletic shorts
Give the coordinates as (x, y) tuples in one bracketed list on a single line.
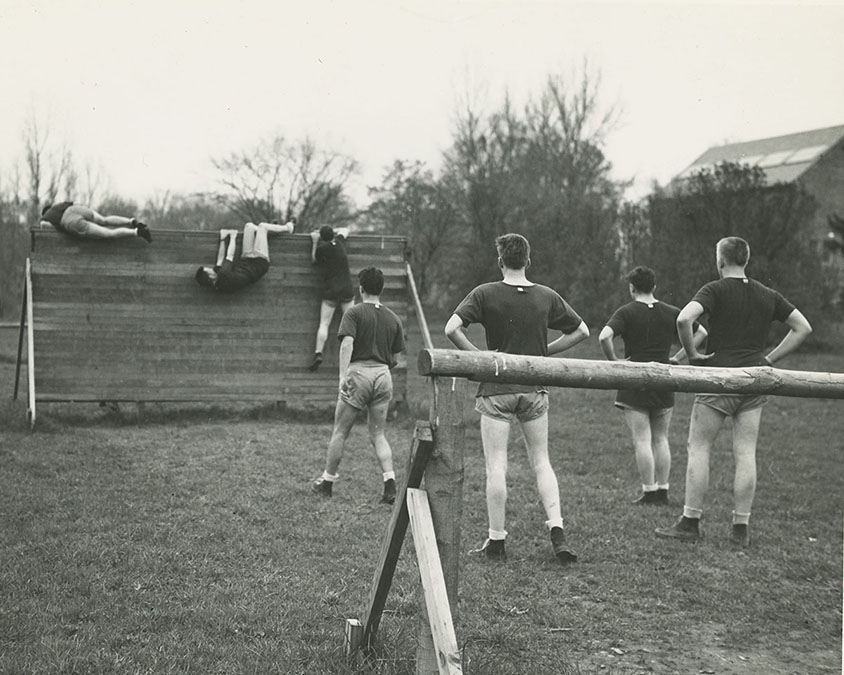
[(366, 383), (641, 399), (241, 273), (524, 406), (652, 413), (76, 220), (731, 404), (334, 304)]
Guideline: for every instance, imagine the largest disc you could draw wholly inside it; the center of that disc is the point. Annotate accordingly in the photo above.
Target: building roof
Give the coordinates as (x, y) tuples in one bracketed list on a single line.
[(784, 158)]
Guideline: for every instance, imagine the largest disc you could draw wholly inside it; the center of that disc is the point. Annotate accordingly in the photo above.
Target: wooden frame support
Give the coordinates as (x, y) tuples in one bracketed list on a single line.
[(420, 453), (433, 583), (21, 329)]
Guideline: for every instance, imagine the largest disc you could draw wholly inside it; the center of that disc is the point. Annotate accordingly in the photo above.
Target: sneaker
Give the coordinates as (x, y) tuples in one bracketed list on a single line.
[(685, 529), (316, 362), (493, 550), (322, 487), (143, 232), (562, 551), (646, 498), (740, 535), (389, 496)]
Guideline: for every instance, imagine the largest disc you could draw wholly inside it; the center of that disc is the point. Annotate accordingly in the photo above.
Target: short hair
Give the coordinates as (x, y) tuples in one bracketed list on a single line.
[(514, 250), (46, 208), (326, 233), (371, 280), (642, 279), (203, 279), (734, 251)]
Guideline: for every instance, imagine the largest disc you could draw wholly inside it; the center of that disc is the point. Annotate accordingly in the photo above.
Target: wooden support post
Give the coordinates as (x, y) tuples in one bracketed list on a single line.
[(354, 635), (30, 347), (420, 313), (21, 332), (589, 374), (447, 655), (444, 485), (420, 453)]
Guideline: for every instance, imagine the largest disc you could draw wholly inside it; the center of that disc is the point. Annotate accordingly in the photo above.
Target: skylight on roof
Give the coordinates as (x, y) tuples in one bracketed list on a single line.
[(775, 158), (752, 160), (806, 154)]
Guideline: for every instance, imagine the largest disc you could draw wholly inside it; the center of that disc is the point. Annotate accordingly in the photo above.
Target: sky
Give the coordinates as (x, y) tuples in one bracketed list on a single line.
[(149, 92)]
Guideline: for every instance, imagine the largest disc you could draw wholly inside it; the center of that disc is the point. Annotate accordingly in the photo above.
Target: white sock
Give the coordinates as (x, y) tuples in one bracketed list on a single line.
[(689, 512), (330, 478), (554, 522), (389, 475), (495, 535), (662, 486), (650, 488), (741, 518)]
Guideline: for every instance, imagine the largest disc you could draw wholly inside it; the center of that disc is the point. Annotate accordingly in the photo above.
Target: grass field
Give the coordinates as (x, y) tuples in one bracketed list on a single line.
[(190, 544)]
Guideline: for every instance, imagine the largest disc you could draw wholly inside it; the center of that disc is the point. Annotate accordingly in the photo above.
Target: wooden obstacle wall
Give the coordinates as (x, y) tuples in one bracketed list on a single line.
[(123, 320)]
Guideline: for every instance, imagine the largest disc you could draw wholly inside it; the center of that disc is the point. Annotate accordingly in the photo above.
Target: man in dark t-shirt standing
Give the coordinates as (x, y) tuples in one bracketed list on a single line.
[(740, 312), (516, 315), (371, 336), (328, 253), (648, 328)]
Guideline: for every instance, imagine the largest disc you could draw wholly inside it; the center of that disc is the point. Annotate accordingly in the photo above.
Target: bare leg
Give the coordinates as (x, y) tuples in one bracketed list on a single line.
[(661, 448), (745, 435), (377, 426), (639, 423), (99, 232), (494, 437), (344, 419), (250, 232), (536, 440), (326, 313), (703, 430)]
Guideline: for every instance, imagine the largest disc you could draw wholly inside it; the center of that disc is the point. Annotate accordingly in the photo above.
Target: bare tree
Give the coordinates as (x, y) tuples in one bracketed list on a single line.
[(277, 179), (47, 166)]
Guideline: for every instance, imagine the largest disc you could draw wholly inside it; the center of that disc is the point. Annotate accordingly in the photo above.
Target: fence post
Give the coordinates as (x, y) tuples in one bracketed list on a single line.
[(444, 485)]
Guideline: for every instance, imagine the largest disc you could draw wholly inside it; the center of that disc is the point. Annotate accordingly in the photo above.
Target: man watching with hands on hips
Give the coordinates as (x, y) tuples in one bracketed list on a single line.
[(741, 312), (516, 315)]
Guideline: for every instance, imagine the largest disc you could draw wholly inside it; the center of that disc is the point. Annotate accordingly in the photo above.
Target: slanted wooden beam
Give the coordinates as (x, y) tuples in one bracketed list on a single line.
[(486, 366), (433, 583), (420, 454)]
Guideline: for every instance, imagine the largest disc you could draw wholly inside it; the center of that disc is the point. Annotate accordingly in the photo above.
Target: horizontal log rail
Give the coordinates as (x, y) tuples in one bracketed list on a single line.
[(486, 366)]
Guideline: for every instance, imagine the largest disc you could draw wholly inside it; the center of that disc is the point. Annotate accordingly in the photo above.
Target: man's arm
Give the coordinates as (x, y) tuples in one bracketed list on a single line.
[(685, 323), (699, 336), (800, 330), (569, 340), (455, 332), (347, 346), (605, 338)]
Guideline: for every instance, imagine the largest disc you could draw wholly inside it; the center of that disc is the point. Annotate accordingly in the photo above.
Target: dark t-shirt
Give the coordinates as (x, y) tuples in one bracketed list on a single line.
[(740, 313), (330, 257), (233, 276), (54, 214), (516, 320), (377, 332), (648, 331)]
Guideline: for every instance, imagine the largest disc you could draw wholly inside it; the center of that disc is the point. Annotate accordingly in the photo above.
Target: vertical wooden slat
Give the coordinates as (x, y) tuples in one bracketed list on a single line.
[(21, 329), (30, 346)]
